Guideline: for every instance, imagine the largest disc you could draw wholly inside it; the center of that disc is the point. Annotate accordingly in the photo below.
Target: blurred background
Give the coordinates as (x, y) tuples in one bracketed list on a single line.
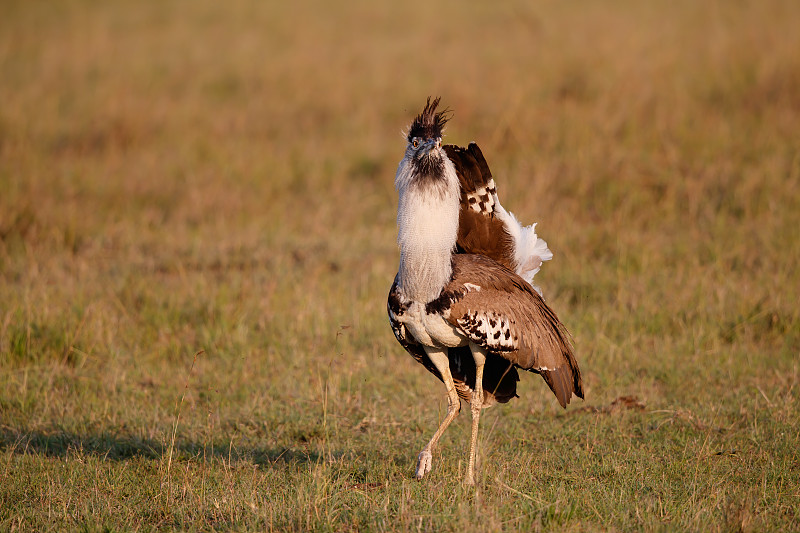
[(185, 176)]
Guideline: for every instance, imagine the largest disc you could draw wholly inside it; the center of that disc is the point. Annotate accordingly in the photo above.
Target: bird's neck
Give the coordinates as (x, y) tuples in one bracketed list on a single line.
[(427, 223)]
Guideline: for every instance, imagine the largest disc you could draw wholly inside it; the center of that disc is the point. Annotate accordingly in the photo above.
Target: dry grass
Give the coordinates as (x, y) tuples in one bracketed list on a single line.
[(184, 176)]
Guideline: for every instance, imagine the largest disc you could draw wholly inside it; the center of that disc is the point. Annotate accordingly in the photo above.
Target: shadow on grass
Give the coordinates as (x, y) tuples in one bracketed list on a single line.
[(59, 443)]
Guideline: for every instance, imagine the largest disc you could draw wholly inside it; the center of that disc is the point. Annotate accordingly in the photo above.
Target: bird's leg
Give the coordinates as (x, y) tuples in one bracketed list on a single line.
[(479, 354), (442, 363)]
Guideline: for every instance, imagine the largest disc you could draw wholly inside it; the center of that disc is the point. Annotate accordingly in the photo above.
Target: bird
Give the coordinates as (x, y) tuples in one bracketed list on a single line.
[(463, 303)]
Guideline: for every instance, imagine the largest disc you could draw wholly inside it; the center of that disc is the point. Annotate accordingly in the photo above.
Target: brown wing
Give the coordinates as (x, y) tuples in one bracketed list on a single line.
[(499, 376), (497, 309), (479, 231)]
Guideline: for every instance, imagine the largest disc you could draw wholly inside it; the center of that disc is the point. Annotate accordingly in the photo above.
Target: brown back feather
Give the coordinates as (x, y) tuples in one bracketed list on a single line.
[(500, 377), (526, 332)]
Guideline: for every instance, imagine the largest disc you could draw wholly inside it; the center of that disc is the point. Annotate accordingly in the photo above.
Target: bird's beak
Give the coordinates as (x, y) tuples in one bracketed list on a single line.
[(429, 145)]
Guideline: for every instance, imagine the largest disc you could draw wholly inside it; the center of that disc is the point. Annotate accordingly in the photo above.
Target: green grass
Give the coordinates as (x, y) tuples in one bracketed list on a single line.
[(181, 178)]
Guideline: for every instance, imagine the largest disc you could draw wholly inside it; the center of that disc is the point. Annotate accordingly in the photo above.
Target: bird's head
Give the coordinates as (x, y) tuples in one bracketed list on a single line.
[(424, 150)]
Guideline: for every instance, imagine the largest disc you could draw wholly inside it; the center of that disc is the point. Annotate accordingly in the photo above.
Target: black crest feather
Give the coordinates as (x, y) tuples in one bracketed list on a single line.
[(429, 123)]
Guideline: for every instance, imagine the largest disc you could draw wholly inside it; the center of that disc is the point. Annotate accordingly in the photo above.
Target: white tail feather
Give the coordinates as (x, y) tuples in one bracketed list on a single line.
[(530, 251)]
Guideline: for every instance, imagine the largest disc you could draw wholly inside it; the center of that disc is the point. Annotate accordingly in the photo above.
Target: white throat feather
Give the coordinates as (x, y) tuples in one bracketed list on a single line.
[(427, 228)]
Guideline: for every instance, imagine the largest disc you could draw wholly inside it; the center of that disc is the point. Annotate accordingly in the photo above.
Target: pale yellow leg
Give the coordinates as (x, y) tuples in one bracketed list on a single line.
[(442, 363), (476, 405)]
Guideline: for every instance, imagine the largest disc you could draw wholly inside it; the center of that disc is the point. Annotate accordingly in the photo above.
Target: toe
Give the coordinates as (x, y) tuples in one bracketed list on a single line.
[(424, 463)]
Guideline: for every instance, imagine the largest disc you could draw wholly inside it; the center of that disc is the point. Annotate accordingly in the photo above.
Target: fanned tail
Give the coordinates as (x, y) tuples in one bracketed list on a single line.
[(530, 251)]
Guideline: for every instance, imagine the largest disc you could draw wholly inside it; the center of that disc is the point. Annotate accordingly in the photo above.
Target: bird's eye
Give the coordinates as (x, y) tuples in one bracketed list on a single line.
[(415, 143)]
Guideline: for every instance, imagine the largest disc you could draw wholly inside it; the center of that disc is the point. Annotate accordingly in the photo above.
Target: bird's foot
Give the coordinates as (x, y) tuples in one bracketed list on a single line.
[(424, 462), (469, 479)]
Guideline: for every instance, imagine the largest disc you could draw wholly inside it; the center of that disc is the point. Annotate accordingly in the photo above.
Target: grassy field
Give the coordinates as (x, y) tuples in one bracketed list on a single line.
[(197, 238)]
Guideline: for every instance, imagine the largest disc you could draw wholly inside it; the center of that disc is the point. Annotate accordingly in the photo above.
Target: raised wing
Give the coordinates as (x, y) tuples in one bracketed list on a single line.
[(485, 227), (479, 230)]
